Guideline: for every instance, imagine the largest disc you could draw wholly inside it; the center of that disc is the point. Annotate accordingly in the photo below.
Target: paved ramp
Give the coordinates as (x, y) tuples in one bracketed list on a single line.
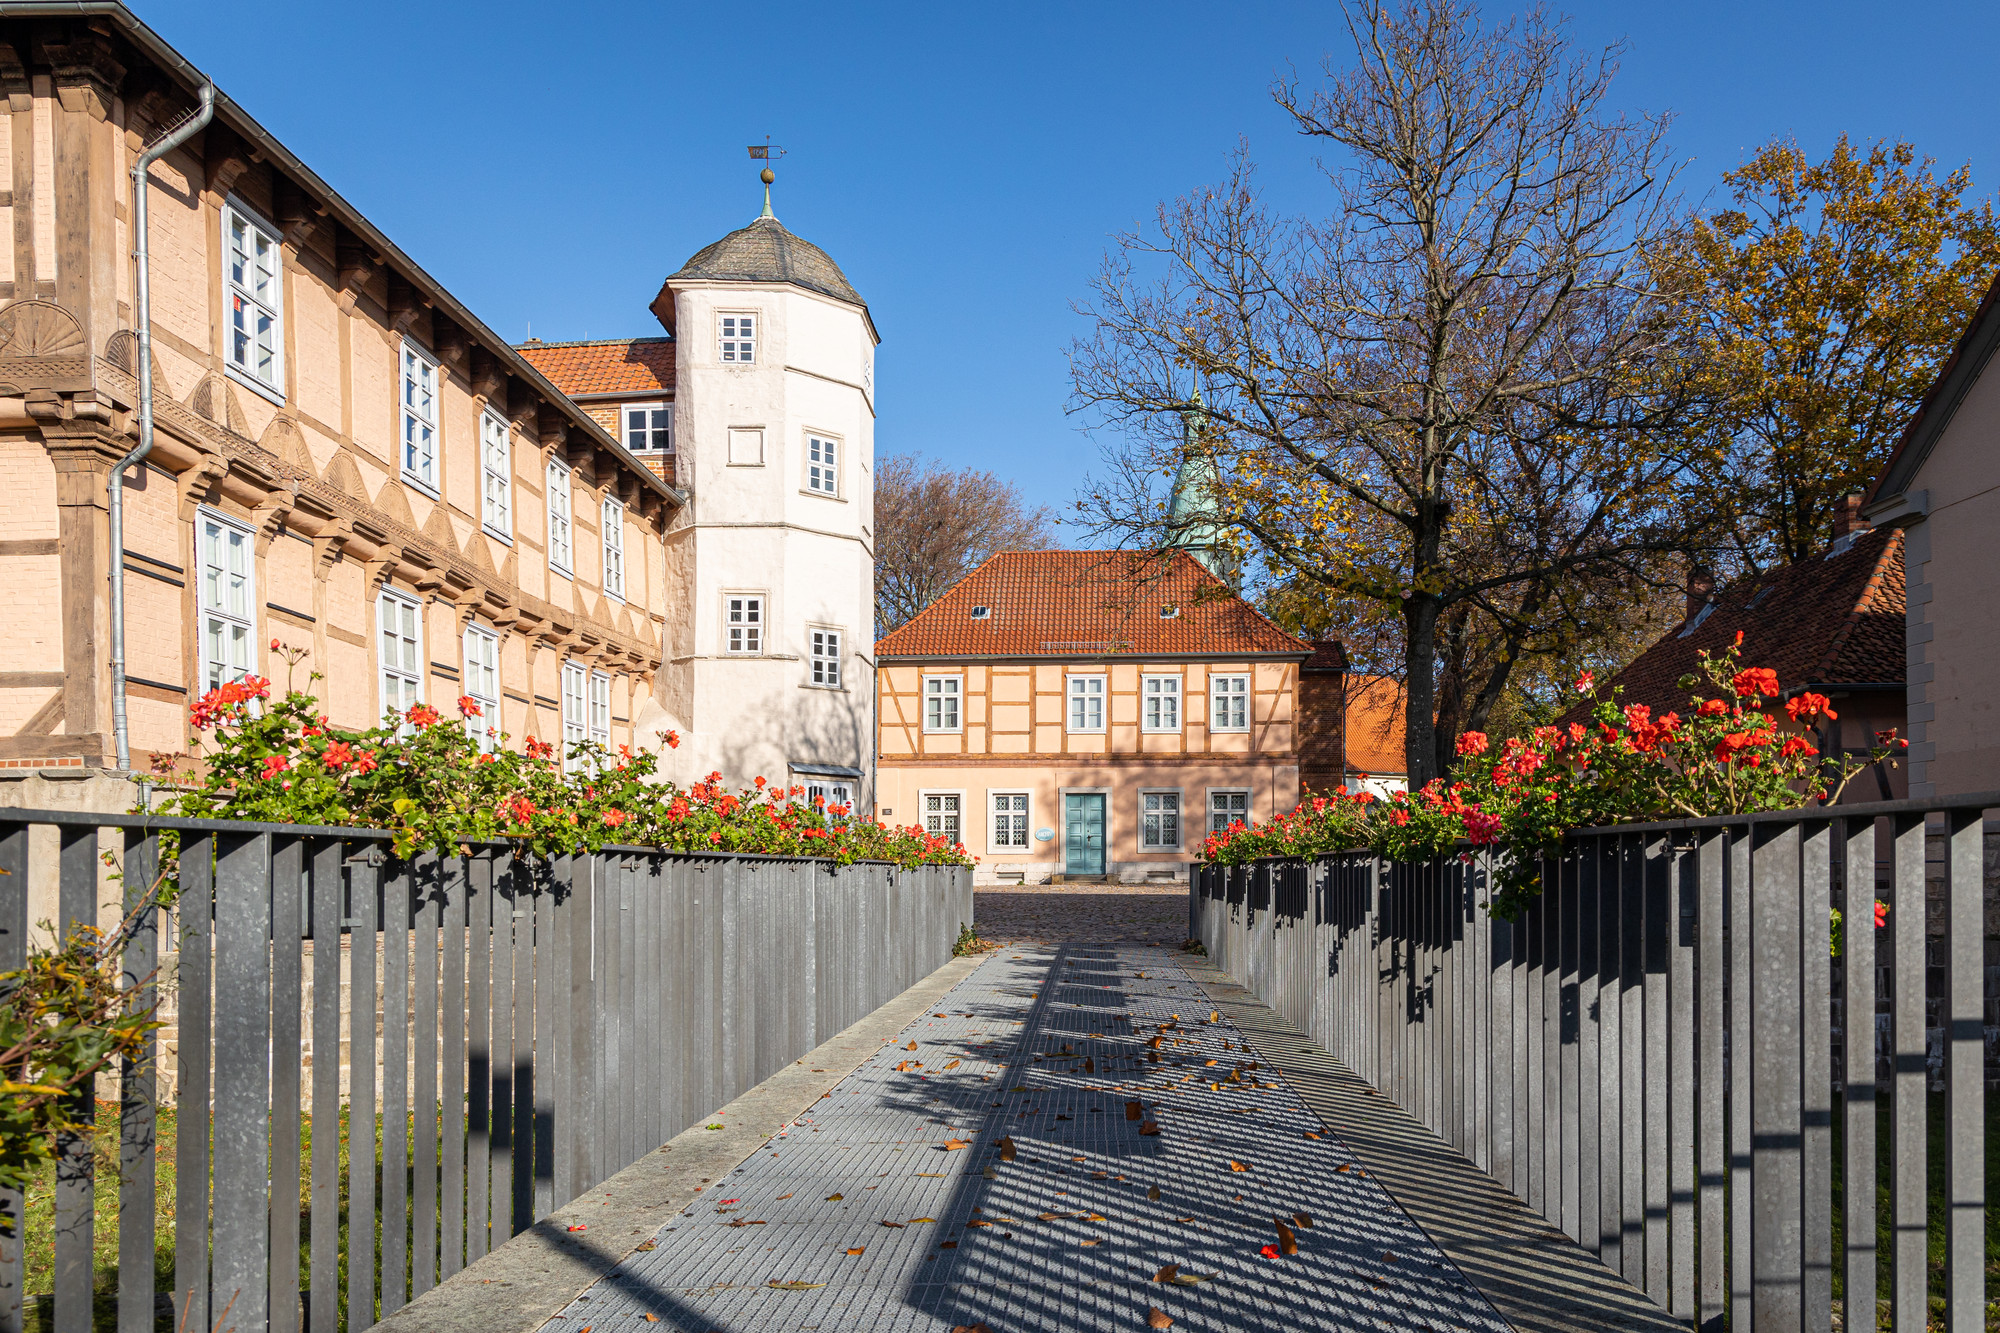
[(861, 1216)]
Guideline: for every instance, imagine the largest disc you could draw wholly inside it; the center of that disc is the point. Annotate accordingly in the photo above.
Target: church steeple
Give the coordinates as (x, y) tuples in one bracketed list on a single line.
[(1193, 511)]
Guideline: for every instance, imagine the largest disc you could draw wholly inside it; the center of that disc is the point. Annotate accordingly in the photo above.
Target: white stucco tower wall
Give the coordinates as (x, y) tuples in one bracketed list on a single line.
[(761, 524)]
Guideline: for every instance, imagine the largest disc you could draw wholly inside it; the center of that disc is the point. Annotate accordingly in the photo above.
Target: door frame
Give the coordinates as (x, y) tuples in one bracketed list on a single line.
[(1062, 795)]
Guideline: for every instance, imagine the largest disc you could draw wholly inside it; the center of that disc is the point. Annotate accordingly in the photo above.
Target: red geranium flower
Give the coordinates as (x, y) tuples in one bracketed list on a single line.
[(468, 706), (275, 764), (1755, 682), (1472, 742)]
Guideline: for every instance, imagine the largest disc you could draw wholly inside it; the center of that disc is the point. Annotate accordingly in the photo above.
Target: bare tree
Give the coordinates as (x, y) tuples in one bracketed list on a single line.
[(1451, 398), (935, 524)]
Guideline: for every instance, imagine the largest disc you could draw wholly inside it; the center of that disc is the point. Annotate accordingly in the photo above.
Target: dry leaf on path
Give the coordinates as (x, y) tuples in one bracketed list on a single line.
[(858, 1249), (951, 1064), (1343, 1168), (1166, 1273), (1153, 1193), (835, 1198), (1303, 1219), (1287, 1242), (1007, 1149), (1215, 1015), (775, 1285), (1149, 1129), (953, 1145), (651, 1318), (970, 1328), (911, 1047), (1159, 1319), (1089, 1065), (1237, 1166), (893, 1226), (1134, 1111)]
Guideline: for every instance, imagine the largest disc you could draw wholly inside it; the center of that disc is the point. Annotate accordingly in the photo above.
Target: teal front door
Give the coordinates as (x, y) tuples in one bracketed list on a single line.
[(1083, 833)]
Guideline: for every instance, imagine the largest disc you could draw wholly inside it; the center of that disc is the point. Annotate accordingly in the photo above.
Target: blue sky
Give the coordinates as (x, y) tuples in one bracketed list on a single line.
[(967, 165)]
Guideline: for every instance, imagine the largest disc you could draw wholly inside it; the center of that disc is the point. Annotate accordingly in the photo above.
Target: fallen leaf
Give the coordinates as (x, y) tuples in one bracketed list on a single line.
[(1183, 1219), (1166, 1273), (932, 1175), (1159, 1319), (784, 1196), (651, 1318), (951, 1064), (648, 1245), (1007, 1149), (581, 1226), (970, 1328), (1089, 1065), (1343, 1168), (1303, 1219), (1388, 1257), (835, 1198), (1208, 1064), (1134, 1111), (893, 1226), (1287, 1242), (953, 1145), (1153, 1193), (1215, 1015), (1154, 1044), (1149, 1128), (1269, 1252), (1311, 1135), (947, 1245), (1238, 1166), (913, 1221), (1094, 1240), (858, 1249), (794, 1286), (976, 1222), (911, 1047)]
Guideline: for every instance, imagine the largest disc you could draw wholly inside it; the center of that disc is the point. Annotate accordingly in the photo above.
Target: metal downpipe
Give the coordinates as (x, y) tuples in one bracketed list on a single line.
[(115, 484)]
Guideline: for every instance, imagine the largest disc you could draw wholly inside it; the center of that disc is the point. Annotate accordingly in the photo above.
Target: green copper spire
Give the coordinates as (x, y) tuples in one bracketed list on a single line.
[(1192, 512), (767, 176)]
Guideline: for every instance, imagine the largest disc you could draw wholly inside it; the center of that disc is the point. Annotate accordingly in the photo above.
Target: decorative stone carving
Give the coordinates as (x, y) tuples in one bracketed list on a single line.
[(283, 438), (39, 329)]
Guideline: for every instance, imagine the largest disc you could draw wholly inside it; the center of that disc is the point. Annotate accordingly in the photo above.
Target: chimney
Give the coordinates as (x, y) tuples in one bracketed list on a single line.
[(1847, 516), (1700, 588)]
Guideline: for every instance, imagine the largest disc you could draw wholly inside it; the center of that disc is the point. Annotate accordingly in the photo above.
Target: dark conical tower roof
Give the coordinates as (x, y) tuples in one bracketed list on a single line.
[(765, 252)]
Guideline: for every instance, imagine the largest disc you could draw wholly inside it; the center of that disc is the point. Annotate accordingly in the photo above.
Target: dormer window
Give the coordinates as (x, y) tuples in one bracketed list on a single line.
[(739, 339), (1170, 612), (981, 612)]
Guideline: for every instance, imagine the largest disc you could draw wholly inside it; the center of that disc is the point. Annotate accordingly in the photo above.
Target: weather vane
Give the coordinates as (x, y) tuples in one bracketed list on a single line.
[(766, 152)]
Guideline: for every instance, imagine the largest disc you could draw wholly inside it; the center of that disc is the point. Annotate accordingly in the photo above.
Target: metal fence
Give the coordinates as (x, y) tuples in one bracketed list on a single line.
[(1646, 1057), (544, 1023)]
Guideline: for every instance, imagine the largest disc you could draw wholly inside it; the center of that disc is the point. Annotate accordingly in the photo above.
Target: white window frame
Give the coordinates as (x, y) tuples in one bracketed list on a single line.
[(736, 337), (746, 623), (837, 791), (1154, 821), (822, 464), (574, 694), (949, 809), (947, 693), (239, 295), (611, 523), (1245, 813), (823, 650), (1078, 699), (650, 431), (418, 435), (228, 626), (403, 680), (600, 708), (1225, 704), (561, 505), (496, 475), (997, 820), (1160, 703), (480, 670)]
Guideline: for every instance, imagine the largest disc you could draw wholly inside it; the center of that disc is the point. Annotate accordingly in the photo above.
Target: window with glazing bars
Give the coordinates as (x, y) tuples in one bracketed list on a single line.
[(826, 658), (482, 684), (401, 652), (228, 600), (420, 416), (744, 623), (254, 274)]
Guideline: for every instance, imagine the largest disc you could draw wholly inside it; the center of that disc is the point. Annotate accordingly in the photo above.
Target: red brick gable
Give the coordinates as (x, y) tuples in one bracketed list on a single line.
[(639, 367), (1090, 604)]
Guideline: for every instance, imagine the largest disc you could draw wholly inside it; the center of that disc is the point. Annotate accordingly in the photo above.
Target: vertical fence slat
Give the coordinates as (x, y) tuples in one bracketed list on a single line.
[(458, 1011), (1774, 1076), (1611, 1054), (500, 1193), (1569, 1022), (1590, 1050), (75, 1214), (13, 955), (138, 1124), (1632, 1028), (242, 1081), (536, 954), (1711, 1141), (1964, 1054), (1656, 939), (195, 918), (1908, 1258), (1815, 985), (428, 888), (323, 1279), (481, 921), (1859, 1179), (1741, 1040), (1682, 1041), (364, 939), (287, 909), (396, 910)]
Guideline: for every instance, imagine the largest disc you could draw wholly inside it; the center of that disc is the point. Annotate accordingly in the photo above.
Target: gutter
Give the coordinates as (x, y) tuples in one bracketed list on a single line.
[(115, 484), (237, 119)]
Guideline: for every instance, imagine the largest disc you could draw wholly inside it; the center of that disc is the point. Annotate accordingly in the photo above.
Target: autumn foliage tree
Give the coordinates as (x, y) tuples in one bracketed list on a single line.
[(1827, 294), (1453, 397), (934, 524)]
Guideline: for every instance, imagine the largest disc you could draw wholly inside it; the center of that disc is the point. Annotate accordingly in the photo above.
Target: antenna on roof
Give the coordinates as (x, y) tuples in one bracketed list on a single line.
[(766, 152)]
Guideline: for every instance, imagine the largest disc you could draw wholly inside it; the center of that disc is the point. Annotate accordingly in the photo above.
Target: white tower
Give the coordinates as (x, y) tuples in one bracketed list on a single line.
[(770, 673)]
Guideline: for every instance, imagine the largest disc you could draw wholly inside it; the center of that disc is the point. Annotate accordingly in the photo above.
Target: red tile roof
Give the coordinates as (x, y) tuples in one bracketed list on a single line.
[(641, 367), (1090, 604), (1831, 621), (1375, 721)]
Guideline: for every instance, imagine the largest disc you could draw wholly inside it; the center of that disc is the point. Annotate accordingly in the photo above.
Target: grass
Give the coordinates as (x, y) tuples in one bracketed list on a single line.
[(39, 1221)]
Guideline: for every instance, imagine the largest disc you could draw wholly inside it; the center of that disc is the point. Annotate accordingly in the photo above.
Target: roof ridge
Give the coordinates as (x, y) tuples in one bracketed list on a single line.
[(1852, 620), (535, 344)]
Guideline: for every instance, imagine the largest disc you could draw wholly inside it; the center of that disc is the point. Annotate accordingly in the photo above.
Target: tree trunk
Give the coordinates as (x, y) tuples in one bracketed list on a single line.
[(1420, 618)]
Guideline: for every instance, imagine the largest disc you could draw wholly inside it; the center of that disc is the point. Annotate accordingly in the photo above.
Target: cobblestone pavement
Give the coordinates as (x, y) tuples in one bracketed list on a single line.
[(985, 1171), (1083, 914)]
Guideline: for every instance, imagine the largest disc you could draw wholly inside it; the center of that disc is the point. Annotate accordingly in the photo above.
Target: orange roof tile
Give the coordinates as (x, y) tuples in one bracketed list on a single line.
[(1090, 604), (641, 367), (1375, 726)]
